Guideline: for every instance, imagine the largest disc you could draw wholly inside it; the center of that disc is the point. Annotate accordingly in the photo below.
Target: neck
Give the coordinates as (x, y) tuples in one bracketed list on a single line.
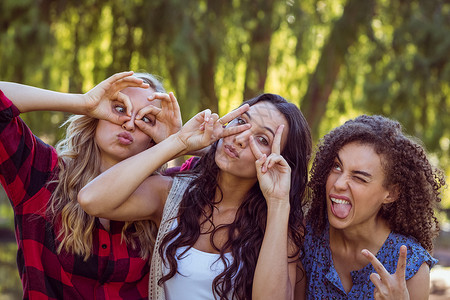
[(105, 165), (370, 236), (233, 189)]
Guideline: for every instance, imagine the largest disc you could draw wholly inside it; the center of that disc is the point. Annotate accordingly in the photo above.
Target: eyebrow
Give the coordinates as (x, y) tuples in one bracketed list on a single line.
[(267, 128), (358, 172)]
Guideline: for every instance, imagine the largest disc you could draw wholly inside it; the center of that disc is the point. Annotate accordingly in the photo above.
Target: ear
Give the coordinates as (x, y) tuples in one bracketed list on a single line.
[(393, 194)]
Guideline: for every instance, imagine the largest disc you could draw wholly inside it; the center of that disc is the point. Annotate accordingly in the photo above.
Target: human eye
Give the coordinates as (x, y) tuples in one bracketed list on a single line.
[(147, 120), (337, 167), (120, 108), (360, 179), (240, 121), (262, 140)]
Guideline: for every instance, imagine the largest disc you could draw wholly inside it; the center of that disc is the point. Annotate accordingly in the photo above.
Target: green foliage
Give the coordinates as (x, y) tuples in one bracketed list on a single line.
[(394, 60), (215, 53)]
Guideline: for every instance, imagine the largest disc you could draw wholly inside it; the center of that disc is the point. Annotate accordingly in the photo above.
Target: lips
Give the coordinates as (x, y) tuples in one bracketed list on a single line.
[(340, 207), (231, 151), (125, 138)]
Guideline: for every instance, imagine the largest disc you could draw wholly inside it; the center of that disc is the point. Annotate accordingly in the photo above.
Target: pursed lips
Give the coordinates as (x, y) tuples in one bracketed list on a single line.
[(125, 138), (231, 151)]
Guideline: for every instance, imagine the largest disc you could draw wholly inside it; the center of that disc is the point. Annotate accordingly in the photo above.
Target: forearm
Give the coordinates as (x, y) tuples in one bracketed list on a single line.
[(27, 98), (112, 188), (272, 279)]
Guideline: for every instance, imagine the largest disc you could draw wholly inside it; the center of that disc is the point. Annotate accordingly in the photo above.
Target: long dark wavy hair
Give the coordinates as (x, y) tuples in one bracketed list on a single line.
[(405, 165), (246, 233)]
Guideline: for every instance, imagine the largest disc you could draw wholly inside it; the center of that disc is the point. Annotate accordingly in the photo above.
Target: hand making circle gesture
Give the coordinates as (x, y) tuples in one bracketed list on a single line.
[(98, 100), (167, 118)]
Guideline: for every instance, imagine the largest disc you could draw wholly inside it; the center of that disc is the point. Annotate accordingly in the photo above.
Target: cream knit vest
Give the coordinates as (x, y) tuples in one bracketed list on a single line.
[(179, 186)]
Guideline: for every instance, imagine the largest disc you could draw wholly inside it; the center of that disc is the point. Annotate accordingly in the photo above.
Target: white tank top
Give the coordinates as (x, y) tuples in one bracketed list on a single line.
[(196, 272)]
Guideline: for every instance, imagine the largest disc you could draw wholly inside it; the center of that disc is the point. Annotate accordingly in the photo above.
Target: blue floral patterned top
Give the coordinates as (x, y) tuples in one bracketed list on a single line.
[(324, 281)]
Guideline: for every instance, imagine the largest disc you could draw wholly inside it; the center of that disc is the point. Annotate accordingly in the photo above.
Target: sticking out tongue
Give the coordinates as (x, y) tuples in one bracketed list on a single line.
[(341, 210)]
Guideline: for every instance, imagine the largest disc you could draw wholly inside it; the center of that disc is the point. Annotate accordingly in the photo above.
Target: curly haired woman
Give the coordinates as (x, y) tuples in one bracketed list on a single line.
[(373, 191), (63, 252), (233, 228)]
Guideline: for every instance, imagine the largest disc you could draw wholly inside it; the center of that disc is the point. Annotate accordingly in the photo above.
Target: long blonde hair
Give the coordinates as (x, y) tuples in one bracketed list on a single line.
[(79, 161)]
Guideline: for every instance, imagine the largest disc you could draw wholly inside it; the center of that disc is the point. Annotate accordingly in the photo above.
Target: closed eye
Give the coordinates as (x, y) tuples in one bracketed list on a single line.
[(360, 179)]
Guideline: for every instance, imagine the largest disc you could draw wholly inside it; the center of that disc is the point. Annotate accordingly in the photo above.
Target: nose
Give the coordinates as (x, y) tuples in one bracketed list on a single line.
[(129, 125), (341, 182), (241, 139)]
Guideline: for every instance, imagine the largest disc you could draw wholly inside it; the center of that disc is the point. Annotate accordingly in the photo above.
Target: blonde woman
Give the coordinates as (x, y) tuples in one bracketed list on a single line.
[(63, 252)]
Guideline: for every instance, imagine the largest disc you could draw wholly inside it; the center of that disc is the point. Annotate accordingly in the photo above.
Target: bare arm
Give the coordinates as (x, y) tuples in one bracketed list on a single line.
[(28, 98), (275, 274), (126, 192), (419, 285), (95, 103), (300, 284)]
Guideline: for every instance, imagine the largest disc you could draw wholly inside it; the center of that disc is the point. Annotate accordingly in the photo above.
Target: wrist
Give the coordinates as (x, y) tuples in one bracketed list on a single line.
[(177, 144), (278, 205)]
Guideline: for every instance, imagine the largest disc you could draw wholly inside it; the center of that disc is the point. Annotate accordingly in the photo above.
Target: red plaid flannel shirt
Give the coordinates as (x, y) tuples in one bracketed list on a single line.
[(114, 271)]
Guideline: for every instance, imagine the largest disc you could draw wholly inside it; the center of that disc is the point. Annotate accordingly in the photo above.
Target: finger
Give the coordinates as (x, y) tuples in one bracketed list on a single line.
[(149, 109), (235, 129), (166, 101), (209, 130), (255, 149), (276, 144), (175, 106), (259, 163), (214, 118), (274, 159), (205, 115), (126, 101), (401, 264), (376, 280), (129, 81), (160, 96), (118, 76), (234, 114), (151, 131), (377, 265)]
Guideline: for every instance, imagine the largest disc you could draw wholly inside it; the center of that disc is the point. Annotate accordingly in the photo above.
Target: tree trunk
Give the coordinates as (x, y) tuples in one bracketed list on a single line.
[(345, 32), (258, 61)]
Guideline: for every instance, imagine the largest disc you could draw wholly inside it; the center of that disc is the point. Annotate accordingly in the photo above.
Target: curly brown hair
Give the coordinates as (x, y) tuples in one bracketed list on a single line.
[(405, 165)]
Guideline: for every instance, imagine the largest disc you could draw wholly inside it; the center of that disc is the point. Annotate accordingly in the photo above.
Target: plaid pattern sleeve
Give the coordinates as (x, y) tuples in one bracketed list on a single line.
[(25, 161), (115, 269)]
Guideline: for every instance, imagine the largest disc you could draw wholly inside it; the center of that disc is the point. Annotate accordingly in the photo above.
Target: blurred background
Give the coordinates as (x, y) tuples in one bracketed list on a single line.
[(335, 59)]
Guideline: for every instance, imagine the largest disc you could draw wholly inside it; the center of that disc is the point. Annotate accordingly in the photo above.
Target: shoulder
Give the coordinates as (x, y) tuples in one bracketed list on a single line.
[(416, 255), (157, 184)]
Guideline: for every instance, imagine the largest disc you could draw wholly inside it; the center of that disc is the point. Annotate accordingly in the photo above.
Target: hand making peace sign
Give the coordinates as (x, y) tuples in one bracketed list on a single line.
[(389, 286), (205, 128), (273, 171)]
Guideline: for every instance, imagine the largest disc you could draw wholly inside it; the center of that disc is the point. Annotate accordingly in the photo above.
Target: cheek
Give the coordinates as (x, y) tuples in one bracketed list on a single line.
[(143, 140), (329, 183)]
